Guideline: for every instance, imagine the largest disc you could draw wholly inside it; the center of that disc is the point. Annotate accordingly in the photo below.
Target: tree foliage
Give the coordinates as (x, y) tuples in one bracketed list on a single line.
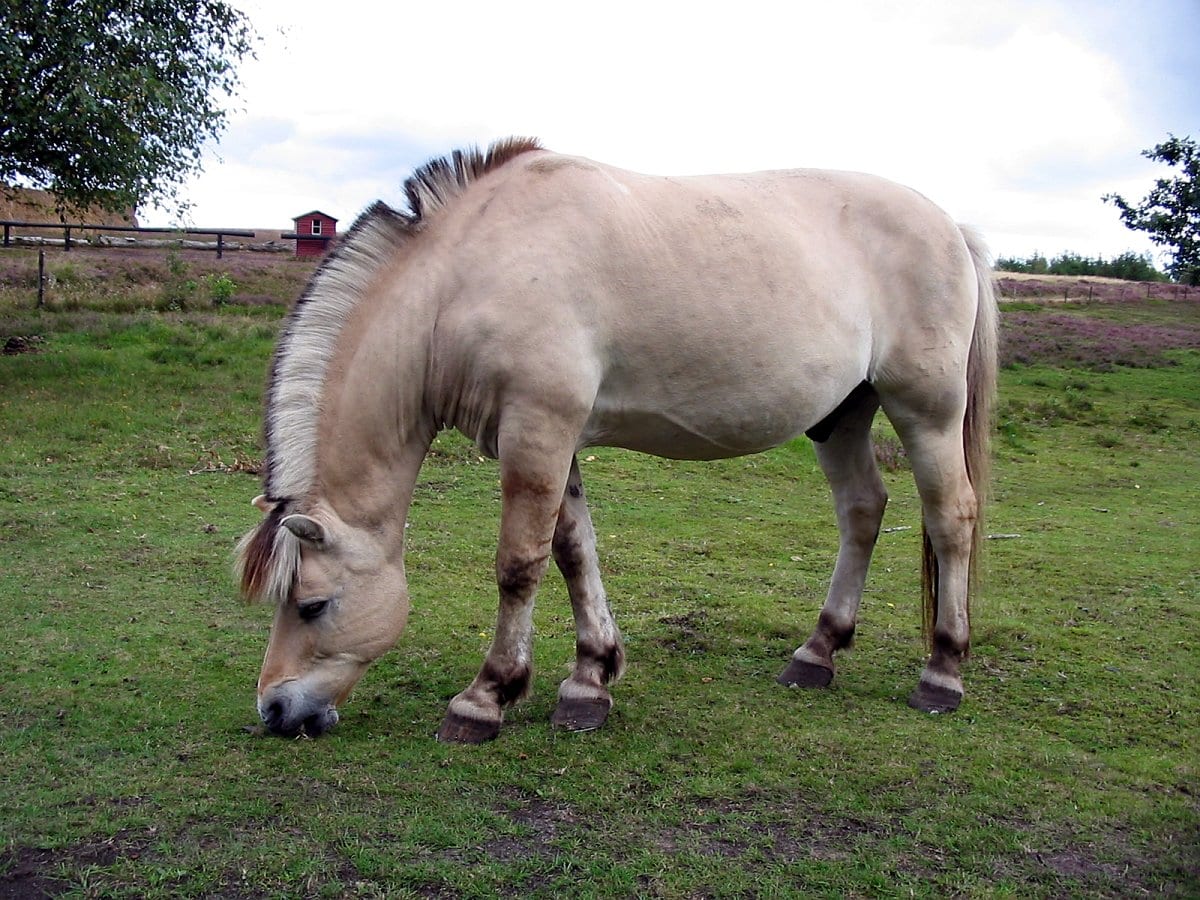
[(1170, 213), (1129, 266), (109, 102)]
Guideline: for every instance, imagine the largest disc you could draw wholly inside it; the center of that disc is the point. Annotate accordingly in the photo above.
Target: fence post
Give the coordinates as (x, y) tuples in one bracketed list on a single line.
[(7, 229), (67, 239), (41, 277), (220, 244)]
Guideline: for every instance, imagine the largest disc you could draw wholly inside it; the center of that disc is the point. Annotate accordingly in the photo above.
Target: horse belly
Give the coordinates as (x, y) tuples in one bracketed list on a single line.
[(707, 425)]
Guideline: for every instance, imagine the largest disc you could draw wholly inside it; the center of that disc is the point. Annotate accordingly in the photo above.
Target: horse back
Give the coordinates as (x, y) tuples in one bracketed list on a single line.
[(698, 316)]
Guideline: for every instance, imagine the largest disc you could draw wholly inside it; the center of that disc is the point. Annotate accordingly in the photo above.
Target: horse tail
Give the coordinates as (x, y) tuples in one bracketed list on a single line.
[(982, 368)]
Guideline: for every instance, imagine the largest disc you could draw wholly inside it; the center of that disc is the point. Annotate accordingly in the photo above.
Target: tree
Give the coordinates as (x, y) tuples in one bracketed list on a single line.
[(1170, 213), (109, 102)]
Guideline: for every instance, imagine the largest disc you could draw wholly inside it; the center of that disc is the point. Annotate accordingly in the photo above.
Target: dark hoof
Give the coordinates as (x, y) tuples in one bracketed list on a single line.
[(932, 699), (580, 715), (805, 674), (458, 729)]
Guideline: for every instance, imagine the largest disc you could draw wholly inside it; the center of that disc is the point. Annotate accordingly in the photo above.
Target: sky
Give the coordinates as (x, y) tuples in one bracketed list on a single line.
[(1016, 116)]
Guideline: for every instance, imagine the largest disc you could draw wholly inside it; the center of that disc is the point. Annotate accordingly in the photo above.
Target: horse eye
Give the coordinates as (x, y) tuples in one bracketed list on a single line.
[(310, 611)]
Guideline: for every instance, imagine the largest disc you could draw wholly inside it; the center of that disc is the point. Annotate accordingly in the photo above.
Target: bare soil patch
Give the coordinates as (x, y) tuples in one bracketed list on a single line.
[(35, 872)]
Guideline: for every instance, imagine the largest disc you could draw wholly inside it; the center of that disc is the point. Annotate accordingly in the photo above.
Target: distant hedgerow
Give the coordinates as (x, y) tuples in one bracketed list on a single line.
[(1129, 266)]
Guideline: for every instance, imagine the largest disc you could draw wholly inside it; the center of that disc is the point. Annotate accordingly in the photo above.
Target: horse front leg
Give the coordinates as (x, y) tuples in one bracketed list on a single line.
[(847, 458), (531, 487), (583, 698)]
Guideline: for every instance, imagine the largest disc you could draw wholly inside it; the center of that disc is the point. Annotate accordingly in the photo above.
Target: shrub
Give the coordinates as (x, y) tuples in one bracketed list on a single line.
[(178, 289), (220, 288)]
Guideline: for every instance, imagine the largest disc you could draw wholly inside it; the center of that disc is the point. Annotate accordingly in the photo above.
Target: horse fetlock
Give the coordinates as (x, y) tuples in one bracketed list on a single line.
[(949, 650), (833, 633), (506, 682), (604, 664)]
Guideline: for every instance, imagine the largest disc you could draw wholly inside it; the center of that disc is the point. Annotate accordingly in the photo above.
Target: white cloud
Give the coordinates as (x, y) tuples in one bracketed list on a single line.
[(1015, 115)]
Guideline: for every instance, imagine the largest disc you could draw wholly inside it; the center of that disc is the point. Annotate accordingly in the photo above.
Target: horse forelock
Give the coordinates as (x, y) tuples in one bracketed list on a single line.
[(268, 560), (437, 182)]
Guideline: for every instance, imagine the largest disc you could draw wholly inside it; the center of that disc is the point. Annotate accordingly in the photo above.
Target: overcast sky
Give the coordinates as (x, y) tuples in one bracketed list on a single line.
[(1014, 115)]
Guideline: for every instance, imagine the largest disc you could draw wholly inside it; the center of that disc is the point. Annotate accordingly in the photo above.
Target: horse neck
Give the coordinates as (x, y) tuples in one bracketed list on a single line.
[(375, 430)]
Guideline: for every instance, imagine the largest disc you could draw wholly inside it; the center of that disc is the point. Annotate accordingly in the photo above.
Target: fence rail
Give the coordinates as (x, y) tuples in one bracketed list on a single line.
[(66, 229), (1081, 290)]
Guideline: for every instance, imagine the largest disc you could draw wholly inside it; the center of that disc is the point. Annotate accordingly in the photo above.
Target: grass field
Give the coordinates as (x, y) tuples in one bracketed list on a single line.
[(132, 767)]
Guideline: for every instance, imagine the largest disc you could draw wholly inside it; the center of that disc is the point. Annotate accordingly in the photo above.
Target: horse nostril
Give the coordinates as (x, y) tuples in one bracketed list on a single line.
[(320, 722), (274, 714)]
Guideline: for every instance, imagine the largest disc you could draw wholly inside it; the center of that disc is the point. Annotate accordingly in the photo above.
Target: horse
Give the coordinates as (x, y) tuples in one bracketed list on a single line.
[(541, 304)]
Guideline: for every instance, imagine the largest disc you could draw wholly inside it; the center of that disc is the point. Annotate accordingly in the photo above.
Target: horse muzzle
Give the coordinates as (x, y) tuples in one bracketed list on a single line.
[(289, 711)]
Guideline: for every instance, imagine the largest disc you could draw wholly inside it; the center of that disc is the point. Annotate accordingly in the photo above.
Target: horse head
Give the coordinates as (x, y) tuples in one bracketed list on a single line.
[(340, 603)]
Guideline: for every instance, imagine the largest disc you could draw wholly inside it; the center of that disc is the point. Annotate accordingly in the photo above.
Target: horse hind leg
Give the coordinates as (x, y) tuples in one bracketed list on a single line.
[(949, 516), (847, 457), (583, 697)]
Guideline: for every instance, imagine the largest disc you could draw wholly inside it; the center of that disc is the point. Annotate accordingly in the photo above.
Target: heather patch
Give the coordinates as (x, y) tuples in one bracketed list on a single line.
[(1061, 339)]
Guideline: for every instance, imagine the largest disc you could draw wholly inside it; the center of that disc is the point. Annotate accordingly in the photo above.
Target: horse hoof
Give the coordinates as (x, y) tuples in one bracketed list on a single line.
[(580, 715), (458, 729), (933, 699), (805, 674)]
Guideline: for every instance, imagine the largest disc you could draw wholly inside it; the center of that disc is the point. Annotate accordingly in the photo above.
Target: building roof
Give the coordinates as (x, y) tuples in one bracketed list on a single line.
[(315, 212)]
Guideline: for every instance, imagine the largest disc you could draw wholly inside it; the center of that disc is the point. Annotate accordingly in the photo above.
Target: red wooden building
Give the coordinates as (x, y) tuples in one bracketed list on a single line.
[(314, 231)]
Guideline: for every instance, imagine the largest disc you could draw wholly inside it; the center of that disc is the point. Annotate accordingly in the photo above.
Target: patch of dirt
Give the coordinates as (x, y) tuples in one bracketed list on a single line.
[(26, 875), (1075, 863), (544, 822), (688, 632), (18, 344), (31, 872)]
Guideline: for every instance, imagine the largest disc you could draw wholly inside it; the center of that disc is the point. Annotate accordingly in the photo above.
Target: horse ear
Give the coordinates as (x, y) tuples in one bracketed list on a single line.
[(306, 528), (262, 504)]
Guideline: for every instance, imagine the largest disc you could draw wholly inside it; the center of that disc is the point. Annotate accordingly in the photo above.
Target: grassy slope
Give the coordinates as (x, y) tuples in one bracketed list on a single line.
[(129, 670)]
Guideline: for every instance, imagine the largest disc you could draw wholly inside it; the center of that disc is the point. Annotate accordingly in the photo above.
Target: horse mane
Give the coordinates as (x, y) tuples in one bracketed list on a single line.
[(435, 184), (267, 561)]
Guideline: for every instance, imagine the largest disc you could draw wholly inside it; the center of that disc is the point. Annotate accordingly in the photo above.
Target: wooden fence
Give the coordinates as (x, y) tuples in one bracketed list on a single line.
[(1081, 291), (66, 229)]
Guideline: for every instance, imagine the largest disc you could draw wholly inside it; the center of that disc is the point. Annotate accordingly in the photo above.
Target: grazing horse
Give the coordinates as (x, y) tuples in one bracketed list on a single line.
[(542, 303)]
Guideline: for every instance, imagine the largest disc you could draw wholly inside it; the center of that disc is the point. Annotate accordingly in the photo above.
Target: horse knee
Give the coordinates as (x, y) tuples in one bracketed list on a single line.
[(518, 576)]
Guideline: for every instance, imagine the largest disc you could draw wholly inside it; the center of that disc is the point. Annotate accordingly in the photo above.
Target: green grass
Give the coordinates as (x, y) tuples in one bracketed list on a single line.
[(129, 666)]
